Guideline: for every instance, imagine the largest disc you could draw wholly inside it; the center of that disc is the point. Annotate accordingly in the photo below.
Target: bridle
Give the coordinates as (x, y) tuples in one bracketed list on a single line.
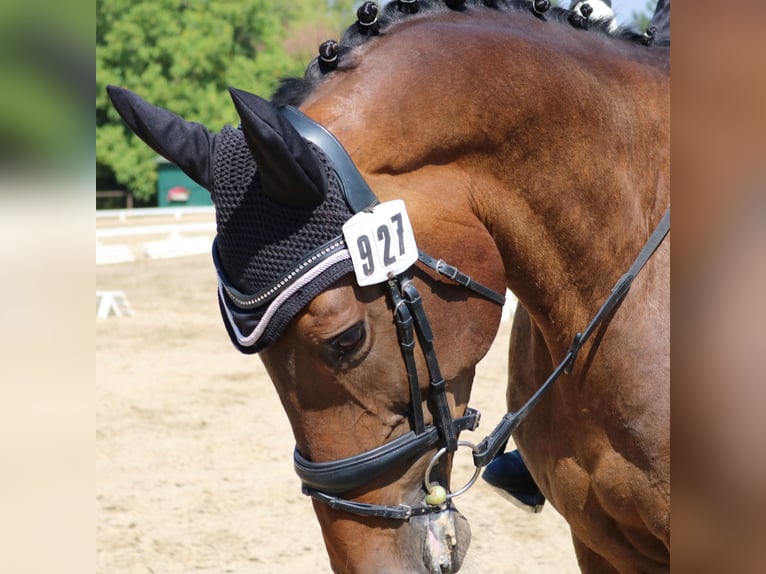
[(325, 481)]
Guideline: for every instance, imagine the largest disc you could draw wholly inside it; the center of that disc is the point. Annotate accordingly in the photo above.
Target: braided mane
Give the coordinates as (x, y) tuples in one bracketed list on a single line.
[(294, 91)]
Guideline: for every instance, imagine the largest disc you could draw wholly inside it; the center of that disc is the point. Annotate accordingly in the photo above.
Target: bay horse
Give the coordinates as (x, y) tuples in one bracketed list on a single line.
[(531, 152)]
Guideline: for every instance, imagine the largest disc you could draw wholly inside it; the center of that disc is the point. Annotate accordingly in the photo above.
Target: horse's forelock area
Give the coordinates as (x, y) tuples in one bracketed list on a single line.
[(294, 91)]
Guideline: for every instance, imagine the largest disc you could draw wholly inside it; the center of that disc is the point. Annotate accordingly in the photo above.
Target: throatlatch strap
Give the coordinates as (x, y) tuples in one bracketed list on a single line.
[(443, 268)]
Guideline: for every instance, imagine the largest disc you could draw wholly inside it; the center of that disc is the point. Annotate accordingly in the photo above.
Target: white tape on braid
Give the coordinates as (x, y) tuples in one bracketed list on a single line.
[(290, 290)]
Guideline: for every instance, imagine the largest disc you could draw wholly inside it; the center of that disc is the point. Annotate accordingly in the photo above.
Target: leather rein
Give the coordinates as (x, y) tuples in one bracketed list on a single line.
[(324, 481)]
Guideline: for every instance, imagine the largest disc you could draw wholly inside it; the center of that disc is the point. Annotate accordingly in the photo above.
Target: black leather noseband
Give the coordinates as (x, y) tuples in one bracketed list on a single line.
[(350, 473)]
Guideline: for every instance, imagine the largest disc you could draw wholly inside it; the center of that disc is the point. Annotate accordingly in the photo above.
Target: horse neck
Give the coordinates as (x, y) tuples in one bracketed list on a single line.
[(556, 140), (573, 193)]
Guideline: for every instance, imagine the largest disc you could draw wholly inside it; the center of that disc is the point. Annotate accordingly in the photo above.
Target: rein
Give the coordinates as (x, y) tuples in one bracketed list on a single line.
[(323, 481), (488, 448)]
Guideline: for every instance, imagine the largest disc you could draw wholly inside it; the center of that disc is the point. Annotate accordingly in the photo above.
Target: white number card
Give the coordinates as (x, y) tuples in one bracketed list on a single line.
[(380, 242)]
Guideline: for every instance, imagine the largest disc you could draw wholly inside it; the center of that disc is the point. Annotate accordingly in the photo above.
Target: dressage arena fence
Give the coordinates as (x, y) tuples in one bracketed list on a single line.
[(110, 303), (171, 223), (125, 235)]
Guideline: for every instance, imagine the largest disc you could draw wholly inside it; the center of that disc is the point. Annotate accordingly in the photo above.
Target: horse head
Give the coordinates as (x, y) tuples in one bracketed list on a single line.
[(332, 348)]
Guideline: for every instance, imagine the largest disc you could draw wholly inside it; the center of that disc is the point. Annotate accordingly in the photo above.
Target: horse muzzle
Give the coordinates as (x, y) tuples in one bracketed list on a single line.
[(447, 536)]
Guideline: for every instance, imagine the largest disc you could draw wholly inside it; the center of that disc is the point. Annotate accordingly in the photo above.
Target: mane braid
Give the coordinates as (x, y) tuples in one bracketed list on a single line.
[(294, 91)]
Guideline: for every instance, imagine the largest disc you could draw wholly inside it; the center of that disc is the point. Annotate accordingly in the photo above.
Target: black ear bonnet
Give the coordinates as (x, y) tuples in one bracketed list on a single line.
[(282, 187), (264, 246)]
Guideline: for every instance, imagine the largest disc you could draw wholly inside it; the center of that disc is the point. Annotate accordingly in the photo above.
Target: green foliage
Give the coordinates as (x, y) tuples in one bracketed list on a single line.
[(311, 22), (641, 19), (45, 62), (182, 55)]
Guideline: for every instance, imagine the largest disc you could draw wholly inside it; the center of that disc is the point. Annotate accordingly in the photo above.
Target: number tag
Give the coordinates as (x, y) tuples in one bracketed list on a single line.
[(380, 242)]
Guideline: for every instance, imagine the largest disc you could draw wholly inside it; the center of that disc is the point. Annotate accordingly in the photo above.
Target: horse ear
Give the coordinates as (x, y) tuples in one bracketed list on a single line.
[(290, 171), (189, 145)]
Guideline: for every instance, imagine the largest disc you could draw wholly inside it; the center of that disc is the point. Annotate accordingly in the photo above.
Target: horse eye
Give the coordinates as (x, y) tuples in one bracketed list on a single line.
[(349, 339)]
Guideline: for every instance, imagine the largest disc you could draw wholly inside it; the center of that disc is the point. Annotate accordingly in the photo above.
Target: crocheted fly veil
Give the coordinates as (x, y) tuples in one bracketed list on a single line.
[(279, 207)]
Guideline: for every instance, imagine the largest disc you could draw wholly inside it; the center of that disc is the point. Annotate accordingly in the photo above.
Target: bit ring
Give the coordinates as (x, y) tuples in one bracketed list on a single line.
[(435, 459)]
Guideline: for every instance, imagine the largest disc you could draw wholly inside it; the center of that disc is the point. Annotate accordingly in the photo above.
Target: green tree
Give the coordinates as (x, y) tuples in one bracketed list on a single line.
[(311, 22), (182, 55), (642, 18)]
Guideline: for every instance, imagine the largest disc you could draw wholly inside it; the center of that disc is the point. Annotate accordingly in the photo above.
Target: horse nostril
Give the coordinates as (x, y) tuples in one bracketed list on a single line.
[(441, 552)]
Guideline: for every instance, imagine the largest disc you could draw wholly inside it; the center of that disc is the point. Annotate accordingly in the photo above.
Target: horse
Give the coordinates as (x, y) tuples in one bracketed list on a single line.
[(516, 150)]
